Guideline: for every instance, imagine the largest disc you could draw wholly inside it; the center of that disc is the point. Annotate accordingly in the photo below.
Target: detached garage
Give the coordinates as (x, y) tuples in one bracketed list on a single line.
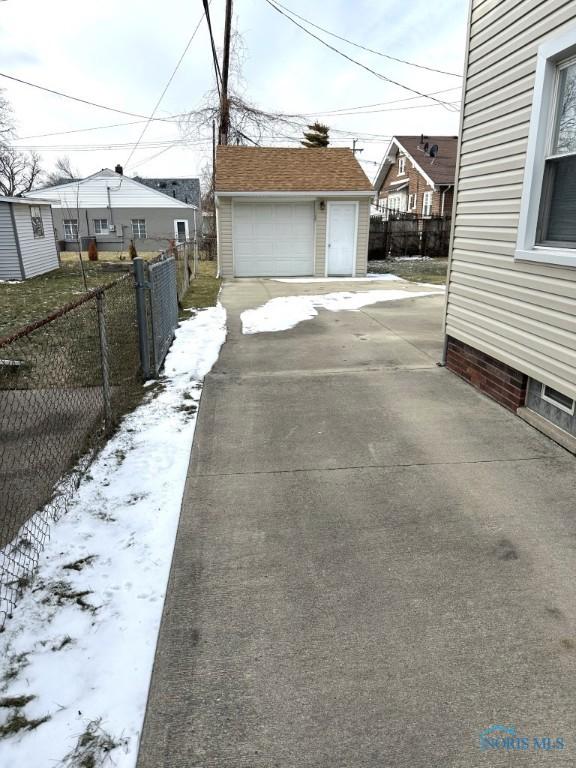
[(291, 212)]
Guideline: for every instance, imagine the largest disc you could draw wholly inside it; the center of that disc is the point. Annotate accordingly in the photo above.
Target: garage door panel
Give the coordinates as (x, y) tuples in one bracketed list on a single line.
[(273, 239)]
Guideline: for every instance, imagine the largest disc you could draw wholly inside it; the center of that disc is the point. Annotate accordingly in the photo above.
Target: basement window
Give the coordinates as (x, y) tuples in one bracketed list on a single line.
[(561, 401), (553, 405)]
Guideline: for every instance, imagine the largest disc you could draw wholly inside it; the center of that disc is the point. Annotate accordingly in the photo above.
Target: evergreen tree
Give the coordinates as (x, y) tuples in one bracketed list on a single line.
[(316, 136)]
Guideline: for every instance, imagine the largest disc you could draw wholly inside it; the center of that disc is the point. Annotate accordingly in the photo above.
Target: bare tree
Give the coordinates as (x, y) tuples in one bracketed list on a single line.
[(63, 172), (248, 123), (6, 118), (19, 171)]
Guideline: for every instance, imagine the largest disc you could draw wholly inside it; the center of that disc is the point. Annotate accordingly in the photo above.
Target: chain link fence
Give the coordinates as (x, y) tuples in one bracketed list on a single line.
[(65, 381)]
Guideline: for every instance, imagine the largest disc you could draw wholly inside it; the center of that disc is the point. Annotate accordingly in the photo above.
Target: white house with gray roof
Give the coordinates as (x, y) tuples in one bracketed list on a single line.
[(113, 209), (27, 244)]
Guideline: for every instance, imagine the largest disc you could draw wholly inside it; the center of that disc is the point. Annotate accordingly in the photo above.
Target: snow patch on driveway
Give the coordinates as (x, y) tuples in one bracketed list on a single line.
[(367, 279), (285, 312), (80, 647)]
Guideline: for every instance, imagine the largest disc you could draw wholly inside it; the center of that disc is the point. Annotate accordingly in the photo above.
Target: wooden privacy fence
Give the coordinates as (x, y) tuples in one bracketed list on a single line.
[(408, 236)]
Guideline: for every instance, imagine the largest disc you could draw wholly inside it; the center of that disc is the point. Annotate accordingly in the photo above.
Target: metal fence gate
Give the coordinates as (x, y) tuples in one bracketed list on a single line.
[(157, 310)]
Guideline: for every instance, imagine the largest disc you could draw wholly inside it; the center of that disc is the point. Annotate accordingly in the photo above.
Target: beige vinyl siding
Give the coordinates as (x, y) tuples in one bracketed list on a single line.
[(523, 314), (224, 229), (362, 242), (320, 254), (225, 250)]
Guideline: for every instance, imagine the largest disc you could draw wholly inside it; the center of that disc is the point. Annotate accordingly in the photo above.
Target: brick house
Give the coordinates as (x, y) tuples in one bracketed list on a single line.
[(417, 176)]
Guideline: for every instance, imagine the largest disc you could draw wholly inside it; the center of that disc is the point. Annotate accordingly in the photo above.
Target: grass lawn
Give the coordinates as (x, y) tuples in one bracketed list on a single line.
[(71, 257), (24, 302), (417, 271), (203, 291)]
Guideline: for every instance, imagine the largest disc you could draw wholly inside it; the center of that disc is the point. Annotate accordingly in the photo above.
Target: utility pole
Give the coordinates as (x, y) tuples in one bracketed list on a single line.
[(224, 103), (354, 150)]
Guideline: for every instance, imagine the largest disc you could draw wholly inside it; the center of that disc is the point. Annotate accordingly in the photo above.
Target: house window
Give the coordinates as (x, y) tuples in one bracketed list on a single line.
[(411, 202), (139, 228), (557, 216), (427, 204), (401, 166), (547, 227), (100, 226), (70, 229), (37, 223)]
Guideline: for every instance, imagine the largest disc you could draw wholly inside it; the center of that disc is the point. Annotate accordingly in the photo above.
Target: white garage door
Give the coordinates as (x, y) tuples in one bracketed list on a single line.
[(273, 239)]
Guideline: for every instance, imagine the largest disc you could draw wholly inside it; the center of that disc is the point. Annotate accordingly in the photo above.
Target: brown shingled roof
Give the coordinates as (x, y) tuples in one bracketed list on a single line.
[(282, 169), (442, 168)]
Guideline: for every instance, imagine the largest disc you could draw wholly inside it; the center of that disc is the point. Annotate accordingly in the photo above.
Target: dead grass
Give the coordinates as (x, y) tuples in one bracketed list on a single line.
[(93, 748), (203, 291), (430, 271)]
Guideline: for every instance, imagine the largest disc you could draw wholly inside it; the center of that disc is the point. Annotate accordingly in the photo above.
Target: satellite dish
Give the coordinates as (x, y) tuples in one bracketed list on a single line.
[(433, 150)]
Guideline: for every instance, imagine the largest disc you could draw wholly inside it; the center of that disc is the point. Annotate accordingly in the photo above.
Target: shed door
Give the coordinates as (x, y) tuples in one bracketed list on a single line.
[(273, 239)]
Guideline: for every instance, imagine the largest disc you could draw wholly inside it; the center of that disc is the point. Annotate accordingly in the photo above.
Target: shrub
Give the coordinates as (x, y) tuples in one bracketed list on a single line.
[(92, 251)]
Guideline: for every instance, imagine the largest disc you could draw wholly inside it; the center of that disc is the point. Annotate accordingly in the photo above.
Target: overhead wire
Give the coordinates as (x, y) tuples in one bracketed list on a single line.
[(358, 63), (365, 47), (172, 76)]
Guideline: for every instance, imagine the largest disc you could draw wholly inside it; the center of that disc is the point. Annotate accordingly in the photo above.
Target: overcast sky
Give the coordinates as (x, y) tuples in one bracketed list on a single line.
[(120, 53)]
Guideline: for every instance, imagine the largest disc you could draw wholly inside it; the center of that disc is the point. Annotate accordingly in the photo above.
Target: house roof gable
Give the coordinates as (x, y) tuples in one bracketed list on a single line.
[(288, 169), (438, 171), (92, 194)]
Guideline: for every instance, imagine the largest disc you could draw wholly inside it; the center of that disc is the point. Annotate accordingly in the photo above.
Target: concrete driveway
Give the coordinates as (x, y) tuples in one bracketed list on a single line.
[(374, 562)]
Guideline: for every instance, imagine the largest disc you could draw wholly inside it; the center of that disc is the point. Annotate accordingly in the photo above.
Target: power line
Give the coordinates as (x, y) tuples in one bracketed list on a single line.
[(365, 48), (358, 63), (169, 118), (176, 68), (217, 72), (76, 98), (377, 104)]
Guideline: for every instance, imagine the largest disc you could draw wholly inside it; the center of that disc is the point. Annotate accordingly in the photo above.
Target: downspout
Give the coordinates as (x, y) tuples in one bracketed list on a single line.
[(456, 175), (109, 204)]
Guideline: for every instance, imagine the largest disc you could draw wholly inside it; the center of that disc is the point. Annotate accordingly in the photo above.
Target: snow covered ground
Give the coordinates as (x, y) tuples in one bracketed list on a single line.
[(285, 312), (76, 658)]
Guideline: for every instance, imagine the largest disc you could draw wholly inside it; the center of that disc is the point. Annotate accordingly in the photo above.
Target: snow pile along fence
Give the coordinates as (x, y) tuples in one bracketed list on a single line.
[(64, 382)]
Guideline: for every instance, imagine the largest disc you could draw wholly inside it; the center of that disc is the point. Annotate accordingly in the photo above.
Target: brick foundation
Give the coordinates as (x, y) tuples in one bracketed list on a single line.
[(497, 380)]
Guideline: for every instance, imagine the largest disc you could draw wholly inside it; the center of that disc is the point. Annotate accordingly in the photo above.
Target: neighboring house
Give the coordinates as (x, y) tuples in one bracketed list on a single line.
[(511, 307), (417, 176), (185, 190), (114, 209), (291, 212), (27, 244)]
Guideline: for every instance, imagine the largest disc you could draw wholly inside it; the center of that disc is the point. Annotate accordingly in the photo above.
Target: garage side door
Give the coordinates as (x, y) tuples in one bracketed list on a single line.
[(273, 239)]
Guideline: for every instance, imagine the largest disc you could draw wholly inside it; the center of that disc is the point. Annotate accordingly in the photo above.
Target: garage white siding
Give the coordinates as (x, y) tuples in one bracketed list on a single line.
[(273, 239), (523, 314)]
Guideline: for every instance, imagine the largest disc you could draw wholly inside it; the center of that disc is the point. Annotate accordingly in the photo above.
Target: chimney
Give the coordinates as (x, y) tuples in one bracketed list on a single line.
[(119, 170)]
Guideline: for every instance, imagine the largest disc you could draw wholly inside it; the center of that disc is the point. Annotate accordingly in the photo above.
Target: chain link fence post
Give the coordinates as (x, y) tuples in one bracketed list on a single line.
[(140, 286), (106, 392)]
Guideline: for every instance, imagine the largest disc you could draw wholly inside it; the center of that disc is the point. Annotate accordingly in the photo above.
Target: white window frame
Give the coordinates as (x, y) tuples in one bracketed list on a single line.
[(402, 166), (36, 215), (73, 234), (555, 403), (427, 202), (550, 54), (411, 202), (98, 229), (137, 235)]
